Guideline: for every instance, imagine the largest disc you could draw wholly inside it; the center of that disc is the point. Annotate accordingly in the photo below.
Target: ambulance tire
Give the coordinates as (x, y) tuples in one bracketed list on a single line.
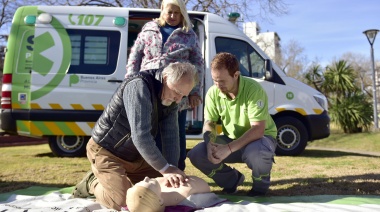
[(292, 136), (68, 146)]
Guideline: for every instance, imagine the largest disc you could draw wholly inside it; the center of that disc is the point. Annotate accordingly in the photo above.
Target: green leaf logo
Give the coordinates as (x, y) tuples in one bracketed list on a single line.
[(43, 47), (44, 65)]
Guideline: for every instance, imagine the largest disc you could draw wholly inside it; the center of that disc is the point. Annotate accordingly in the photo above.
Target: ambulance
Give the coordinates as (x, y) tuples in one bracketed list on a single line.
[(63, 63)]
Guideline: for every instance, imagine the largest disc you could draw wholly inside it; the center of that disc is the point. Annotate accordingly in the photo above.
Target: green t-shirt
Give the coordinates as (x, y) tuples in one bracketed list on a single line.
[(251, 104)]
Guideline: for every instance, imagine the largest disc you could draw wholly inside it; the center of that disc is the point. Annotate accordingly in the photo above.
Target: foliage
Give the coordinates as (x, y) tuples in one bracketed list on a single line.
[(353, 113), (314, 76), (350, 107), (363, 69), (339, 78)]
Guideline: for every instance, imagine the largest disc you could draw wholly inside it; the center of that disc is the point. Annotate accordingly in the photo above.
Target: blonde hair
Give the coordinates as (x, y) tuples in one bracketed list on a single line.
[(186, 24)]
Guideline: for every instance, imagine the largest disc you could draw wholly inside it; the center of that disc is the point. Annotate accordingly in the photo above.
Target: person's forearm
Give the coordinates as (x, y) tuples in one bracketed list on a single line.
[(138, 106), (253, 134), (209, 131)]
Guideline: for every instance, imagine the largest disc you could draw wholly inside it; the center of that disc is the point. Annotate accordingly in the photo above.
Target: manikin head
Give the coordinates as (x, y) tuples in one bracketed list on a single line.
[(145, 196)]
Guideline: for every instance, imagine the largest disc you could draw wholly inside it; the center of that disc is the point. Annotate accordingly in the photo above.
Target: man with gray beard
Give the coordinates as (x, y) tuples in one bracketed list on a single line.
[(122, 150)]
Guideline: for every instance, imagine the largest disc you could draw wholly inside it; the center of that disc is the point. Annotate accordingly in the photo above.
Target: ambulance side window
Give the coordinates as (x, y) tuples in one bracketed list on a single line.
[(93, 51), (251, 63)]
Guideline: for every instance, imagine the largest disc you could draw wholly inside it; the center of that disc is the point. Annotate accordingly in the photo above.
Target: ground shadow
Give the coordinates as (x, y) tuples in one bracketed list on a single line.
[(316, 153), (51, 155), (366, 184)]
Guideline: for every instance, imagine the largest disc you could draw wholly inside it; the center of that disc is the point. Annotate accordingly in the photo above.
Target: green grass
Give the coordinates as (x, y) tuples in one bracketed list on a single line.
[(369, 142), (315, 171)]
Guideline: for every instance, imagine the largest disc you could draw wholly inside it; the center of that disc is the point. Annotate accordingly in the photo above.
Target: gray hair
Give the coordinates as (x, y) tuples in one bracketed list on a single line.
[(176, 71), (186, 23)]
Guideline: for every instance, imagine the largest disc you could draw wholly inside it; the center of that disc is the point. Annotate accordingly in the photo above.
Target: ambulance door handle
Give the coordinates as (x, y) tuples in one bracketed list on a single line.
[(115, 80)]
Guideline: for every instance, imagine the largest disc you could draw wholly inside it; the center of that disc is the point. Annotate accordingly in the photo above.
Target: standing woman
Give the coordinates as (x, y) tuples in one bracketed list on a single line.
[(165, 40)]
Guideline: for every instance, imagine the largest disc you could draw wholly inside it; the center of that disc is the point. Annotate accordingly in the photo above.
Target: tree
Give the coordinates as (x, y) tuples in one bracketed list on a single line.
[(362, 66), (353, 113), (350, 108), (314, 76), (339, 79), (293, 60)]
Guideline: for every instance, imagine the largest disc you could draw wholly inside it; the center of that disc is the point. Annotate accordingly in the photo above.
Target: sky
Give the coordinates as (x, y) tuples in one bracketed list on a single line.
[(327, 29)]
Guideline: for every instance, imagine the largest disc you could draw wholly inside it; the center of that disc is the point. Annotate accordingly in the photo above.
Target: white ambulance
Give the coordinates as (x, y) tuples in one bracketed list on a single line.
[(63, 64)]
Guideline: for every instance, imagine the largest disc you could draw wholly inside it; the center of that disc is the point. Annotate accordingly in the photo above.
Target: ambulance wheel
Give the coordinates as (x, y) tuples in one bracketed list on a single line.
[(68, 146), (292, 136)]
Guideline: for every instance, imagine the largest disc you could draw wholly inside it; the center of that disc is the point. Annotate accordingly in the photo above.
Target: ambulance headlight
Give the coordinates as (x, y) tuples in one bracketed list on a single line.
[(322, 101)]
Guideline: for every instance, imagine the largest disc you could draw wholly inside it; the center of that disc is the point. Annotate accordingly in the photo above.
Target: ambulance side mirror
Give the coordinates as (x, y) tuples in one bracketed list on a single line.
[(268, 69)]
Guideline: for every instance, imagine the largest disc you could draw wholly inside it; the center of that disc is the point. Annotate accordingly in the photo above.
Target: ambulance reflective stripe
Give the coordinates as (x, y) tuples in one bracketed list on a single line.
[(77, 107), (40, 128), (318, 111), (16, 106), (98, 107), (56, 106), (301, 111)]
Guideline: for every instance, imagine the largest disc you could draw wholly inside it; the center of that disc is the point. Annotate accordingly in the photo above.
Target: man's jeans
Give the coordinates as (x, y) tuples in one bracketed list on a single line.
[(258, 155), (114, 175)]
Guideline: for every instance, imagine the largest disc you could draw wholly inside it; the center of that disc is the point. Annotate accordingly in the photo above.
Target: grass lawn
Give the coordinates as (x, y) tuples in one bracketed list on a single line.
[(312, 173)]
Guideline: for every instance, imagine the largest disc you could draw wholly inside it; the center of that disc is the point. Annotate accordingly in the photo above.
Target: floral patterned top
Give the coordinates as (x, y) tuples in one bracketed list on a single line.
[(149, 53)]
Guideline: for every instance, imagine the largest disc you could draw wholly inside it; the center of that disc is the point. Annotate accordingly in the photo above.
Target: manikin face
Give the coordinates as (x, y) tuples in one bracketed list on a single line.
[(175, 92), (151, 184), (172, 14), (224, 81), (145, 196)]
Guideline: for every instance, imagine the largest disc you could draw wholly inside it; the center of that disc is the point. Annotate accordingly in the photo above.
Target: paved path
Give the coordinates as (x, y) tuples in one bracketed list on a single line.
[(344, 150), (14, 140)]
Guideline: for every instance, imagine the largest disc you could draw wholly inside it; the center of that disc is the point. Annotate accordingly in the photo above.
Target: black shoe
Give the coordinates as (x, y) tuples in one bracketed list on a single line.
[(253, 193), (81, 190), (233, 190)]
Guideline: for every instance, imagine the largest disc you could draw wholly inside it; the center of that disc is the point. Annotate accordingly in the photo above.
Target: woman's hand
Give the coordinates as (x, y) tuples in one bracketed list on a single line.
[(194, 100)]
